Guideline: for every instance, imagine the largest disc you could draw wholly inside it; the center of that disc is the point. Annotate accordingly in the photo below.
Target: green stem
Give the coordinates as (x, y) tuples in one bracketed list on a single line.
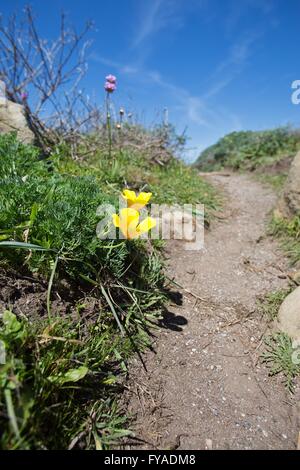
[(50, 287), (112, 246), (112, 308), (108, 123), (11, 412)]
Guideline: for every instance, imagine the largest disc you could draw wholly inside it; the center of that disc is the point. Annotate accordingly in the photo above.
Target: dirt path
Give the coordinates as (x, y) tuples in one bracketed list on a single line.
[(205, 386)]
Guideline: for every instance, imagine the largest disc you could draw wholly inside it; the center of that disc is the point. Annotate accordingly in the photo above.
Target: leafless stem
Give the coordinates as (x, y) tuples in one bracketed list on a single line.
[(49, 71)]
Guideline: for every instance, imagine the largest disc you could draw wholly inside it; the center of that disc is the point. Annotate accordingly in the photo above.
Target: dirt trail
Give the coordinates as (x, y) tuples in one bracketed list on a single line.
[(205, 386)]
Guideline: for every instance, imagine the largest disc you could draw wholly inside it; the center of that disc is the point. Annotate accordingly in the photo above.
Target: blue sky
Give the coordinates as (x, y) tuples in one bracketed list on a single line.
[(217, 65)]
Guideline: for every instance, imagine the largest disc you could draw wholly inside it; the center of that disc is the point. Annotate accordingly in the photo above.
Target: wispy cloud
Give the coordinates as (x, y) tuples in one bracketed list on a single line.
[(154, 16), (238, 10), (240, 51), (126, 69), (229, 68), (192, 107), (152, 22)]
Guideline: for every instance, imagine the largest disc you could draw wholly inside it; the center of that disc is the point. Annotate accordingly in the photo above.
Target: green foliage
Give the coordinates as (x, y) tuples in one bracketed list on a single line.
[(63, 377), (18, 160), (69, 382), (61, 373), (248, 150), (269, 306), (288, 232), (276, 181), (279, 358), (173, 183), (193, 190), (58, 212)]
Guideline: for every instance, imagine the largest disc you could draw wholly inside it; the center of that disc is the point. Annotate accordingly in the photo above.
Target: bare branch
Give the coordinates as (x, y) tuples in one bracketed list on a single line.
[(46, 70)]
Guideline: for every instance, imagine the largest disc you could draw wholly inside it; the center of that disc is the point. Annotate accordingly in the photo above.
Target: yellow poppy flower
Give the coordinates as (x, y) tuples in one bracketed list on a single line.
[(134, 201), (128, 223)]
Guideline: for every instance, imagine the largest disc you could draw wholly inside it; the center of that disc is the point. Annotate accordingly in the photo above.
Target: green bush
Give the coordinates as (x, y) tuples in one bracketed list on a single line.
[(248, 150), (58, 212), (173, 183), (18, 160), (45, 357), (64, 371)]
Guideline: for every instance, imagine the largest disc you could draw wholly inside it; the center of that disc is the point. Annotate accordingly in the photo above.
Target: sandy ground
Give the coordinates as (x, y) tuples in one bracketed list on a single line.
[(205, 386)]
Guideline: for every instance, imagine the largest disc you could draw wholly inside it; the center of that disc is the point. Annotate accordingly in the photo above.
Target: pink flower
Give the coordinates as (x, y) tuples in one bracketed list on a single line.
[(110, 87), (111, 79)]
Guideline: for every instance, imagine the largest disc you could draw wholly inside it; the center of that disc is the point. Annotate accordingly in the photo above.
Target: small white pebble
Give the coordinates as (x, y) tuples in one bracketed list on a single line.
[(208, 444)]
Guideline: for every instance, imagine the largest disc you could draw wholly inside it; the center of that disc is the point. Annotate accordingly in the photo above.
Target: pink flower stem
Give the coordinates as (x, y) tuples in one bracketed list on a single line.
[(108, 124)]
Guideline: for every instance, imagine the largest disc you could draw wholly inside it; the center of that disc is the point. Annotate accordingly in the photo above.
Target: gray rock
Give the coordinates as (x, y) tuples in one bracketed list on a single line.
[(12, 118), (290, 201), (289, 315)]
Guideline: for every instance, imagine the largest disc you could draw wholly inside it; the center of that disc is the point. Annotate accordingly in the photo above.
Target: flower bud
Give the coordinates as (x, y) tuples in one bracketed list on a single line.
[(109, 87)]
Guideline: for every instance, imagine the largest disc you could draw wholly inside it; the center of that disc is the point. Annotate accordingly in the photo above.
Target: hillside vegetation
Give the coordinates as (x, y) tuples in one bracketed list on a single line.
[(250, 150)]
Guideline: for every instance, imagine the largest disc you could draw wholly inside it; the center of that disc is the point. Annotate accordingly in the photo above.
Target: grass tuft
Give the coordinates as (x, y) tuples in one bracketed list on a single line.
[(269, 305), (288, 232), (276, 181), (279, 358)]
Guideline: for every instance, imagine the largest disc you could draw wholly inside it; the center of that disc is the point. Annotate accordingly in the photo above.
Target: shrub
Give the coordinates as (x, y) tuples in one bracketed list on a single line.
[(248, 150), (63, 372)]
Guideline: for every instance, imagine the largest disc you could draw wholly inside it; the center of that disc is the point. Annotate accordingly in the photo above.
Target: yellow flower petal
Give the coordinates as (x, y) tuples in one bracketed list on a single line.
[(116, 220), (129, 219), (146, 225), (134, 201), (129, 193), (143, 198), (129, 215), (130, 196)]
